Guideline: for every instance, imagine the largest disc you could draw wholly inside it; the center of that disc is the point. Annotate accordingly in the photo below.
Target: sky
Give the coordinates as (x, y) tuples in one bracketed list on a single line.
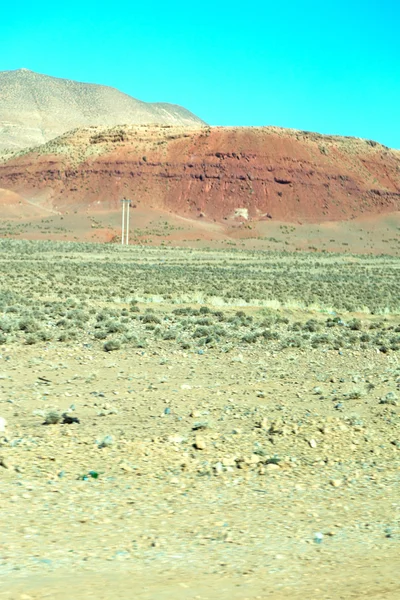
[(331, 66)]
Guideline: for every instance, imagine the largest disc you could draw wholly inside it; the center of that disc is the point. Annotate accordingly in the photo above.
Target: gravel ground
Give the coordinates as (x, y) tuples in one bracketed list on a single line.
[(245, 474)]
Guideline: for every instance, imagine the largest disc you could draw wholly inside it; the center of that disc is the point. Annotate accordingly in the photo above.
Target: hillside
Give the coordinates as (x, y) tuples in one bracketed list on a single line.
[(215, 174), (35, 108)]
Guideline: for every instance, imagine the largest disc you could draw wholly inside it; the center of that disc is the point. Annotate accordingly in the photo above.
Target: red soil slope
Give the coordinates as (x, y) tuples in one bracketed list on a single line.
[(12, 205), (214, 173)]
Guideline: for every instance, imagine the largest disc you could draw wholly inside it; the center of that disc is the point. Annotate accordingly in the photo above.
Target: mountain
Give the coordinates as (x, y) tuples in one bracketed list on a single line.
[(219, 174), (35, 108)]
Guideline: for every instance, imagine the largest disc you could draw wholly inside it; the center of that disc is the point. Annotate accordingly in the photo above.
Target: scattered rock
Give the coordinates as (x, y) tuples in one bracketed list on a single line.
[(336, 482), (390, 398), (318, 537), (4, 462), (199, 443), (200, 425), (272, 467), (106, 442)]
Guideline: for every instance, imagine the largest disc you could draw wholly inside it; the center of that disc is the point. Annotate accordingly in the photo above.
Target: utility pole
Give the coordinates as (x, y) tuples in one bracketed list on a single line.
[(125, 222)]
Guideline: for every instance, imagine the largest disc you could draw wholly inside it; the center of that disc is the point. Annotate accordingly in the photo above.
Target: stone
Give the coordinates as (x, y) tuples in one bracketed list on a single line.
[(125, 467), (200, 425), (312, 443), (254, 459), (318, 537), (195, 414), (199, 443), (3, 425), (336, 482), (218, 468), (175, 439), (4, 462), (390, 398), (106, 442), (228, 462), (272, 467)]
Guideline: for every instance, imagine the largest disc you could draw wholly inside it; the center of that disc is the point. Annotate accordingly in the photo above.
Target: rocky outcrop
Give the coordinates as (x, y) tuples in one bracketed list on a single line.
[(217, 173)]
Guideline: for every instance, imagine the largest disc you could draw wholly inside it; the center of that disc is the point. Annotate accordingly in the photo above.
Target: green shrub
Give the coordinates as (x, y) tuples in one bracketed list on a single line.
[(112, 345)]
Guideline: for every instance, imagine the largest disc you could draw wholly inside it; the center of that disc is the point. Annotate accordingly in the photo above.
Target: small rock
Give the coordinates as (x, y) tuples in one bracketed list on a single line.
[(228, 462), (313, 443), (272, 467), (318, 537), (336, 482), (106, 442), (195, 413), (125, 467), (175, 439), (254, 459), (200, 425), (4, 462), (390, 398), (218, 468), (200, 443), (3, 424)]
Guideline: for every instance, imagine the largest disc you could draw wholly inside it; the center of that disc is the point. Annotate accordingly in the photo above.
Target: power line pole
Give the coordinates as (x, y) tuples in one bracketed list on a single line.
[(125, 222), (128, 203)]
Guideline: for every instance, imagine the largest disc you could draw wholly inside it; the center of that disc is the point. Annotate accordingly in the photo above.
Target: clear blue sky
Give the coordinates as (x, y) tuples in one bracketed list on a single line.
[(331, 66)]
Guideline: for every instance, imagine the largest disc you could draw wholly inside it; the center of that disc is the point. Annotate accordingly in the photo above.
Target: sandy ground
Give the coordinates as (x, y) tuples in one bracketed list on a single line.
[(370, 235), (240, 475)]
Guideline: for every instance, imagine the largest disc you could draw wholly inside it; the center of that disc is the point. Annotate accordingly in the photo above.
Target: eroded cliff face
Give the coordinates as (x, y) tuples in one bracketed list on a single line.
[(214, 173)]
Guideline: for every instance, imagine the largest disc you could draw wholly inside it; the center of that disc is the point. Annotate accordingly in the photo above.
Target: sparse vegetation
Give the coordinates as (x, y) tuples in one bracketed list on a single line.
[(68, 292)]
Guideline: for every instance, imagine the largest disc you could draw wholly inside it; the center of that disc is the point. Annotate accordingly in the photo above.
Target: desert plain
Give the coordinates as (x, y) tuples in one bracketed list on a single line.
[(198, 423)]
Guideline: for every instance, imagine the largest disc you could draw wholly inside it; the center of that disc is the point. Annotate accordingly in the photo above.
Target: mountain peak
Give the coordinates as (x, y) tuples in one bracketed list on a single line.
[(35, 108)]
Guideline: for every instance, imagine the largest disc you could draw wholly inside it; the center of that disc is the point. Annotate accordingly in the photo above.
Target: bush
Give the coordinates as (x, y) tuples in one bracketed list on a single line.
[(355, 324), (151, 318), (28, 325), (112, 345)]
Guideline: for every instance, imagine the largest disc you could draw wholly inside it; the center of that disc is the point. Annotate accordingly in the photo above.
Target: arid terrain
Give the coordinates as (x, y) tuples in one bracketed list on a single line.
[(265, 188), (198, 424), (213, 411), (36, 108)]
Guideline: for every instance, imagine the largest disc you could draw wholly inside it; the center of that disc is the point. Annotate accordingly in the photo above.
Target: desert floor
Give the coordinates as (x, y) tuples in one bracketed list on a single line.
[(243, 471)]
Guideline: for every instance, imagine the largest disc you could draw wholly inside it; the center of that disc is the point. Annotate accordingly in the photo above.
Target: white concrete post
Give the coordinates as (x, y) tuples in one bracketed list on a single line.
[(123, 223), (127, 224)]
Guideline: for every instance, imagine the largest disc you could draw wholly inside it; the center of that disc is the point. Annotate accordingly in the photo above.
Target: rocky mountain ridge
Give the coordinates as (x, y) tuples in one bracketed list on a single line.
[(35, 108)]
